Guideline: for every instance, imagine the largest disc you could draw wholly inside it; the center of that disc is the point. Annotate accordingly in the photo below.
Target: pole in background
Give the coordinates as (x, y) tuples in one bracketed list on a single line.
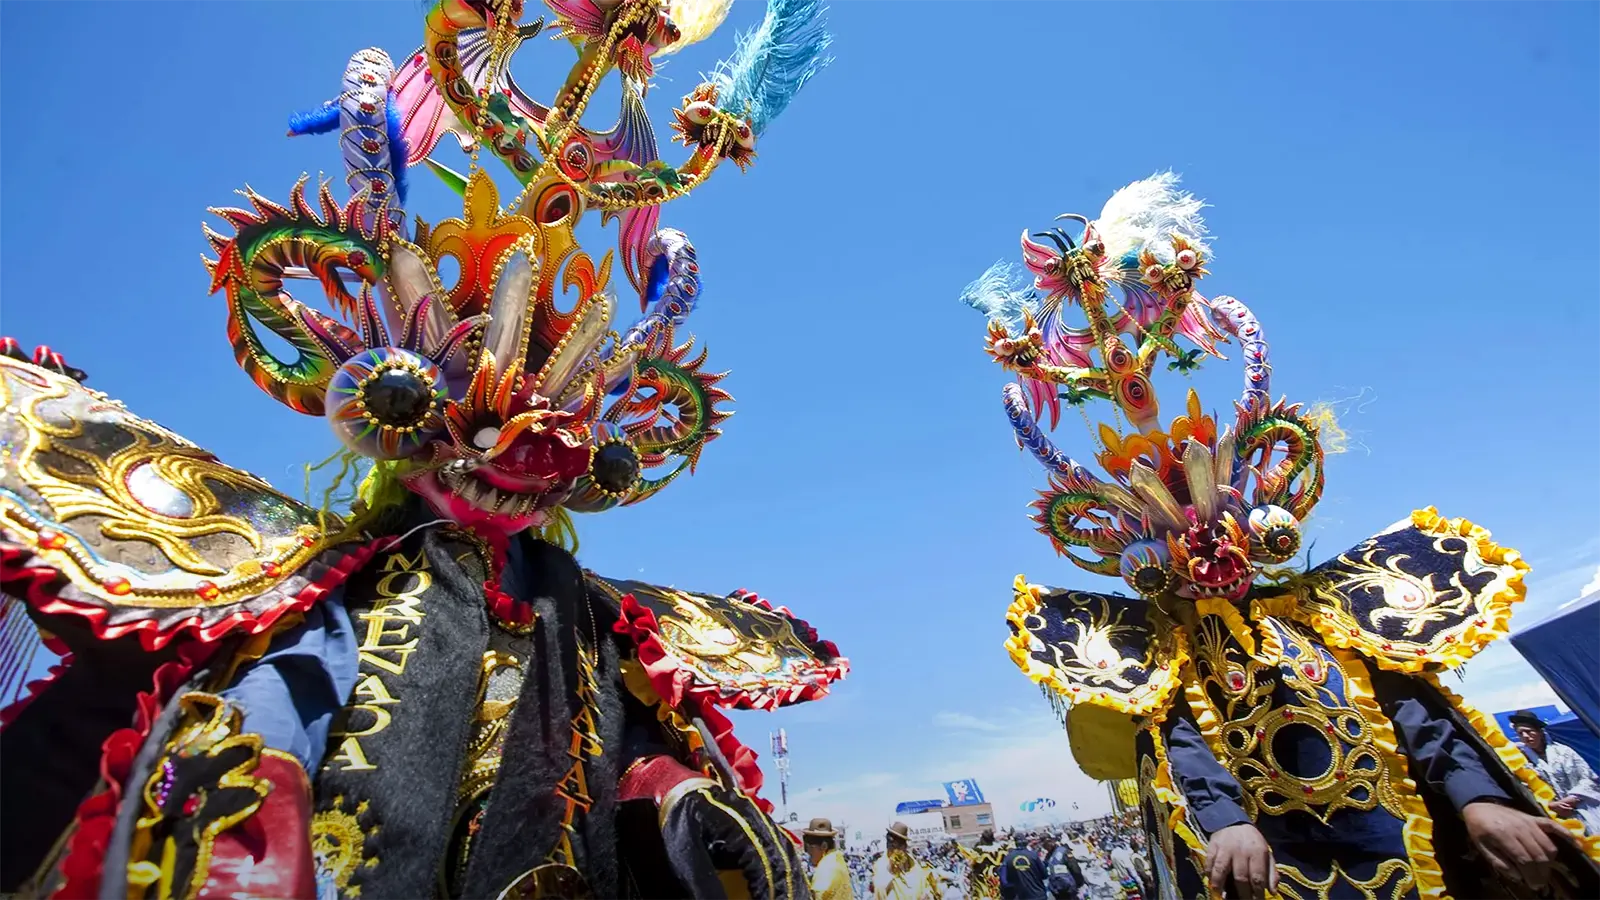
[(780, 754)]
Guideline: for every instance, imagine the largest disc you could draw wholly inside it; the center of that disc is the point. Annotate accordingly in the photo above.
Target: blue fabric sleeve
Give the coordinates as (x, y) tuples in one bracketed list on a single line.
[(1213, 794), (1429, 737), (291, 694)]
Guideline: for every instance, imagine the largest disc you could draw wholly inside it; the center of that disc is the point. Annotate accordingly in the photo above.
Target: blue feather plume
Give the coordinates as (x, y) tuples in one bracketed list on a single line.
[(321, 120), (771, 64), (398, 152), (1001, 293)]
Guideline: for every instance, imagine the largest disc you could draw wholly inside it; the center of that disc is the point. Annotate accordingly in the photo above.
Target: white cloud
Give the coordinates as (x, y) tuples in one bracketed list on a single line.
[(1521, 696), (962, 721), (1591, 587)]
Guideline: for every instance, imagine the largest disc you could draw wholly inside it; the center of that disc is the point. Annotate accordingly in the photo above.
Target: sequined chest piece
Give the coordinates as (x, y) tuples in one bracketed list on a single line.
[(1289, 730), (504, 669)]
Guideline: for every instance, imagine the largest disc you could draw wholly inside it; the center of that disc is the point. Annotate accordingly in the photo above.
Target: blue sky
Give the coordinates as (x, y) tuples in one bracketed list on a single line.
[(1404, 193)]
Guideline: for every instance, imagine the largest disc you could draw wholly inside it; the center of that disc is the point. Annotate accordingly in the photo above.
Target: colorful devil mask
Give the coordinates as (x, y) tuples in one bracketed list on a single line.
[(1182, 508), (512, 392)]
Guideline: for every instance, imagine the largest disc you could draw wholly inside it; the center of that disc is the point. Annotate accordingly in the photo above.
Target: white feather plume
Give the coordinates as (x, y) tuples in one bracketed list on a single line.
[(1149, 213), (696, 19)]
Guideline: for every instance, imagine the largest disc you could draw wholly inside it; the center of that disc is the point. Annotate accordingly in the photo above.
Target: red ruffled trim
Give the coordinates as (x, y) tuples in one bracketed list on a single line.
[(81, 867), (38, 585), (741, 759), (38, 685), (681, 690), (504, 607)]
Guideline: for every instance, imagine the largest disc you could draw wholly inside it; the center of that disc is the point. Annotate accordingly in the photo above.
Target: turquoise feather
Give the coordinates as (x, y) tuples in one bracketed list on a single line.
[(772, 63), (1001, 294)]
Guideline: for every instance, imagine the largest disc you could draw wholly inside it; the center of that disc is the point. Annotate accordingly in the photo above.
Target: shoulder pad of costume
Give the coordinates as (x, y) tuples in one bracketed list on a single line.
[(1425, 594), (1105, 650), (736, 651), (114, 519)]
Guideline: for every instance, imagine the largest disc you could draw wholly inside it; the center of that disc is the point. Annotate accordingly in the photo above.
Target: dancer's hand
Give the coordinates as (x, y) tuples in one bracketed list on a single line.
[(1521, 847), (1566, 806), (1239, 853)]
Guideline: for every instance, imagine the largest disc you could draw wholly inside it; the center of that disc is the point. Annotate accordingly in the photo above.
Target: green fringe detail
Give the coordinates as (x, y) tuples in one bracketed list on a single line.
[(560, 531), (337, 497)]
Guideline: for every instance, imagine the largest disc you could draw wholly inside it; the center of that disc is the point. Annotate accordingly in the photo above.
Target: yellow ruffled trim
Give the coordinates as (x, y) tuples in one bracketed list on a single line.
[(1230, 616), (1167, 792), (1425, 870), (1342, 630), (1515, 760), (637, 681), (1159, 689)]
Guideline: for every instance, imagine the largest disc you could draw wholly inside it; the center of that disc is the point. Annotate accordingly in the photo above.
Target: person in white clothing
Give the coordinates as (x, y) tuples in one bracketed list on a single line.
[(1573, 780)]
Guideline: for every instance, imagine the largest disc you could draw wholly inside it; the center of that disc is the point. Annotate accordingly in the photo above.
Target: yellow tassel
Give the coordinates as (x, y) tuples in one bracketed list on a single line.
[(1330, 435)]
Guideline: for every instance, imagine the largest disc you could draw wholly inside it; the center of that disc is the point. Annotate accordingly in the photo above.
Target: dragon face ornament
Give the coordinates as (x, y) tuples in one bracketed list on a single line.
[(1185, 511), (515, 392)]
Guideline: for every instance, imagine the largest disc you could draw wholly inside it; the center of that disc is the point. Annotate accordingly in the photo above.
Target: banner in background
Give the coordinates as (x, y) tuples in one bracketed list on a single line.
[(916, 806), (963, 793)]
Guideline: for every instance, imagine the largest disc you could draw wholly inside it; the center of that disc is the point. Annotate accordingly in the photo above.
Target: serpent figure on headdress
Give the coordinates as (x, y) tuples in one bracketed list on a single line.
[(426, 695), (1287, 730)]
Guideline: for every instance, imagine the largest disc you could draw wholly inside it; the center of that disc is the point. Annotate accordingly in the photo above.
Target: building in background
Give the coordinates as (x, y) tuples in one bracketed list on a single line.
[(968, 814), (966, 822)]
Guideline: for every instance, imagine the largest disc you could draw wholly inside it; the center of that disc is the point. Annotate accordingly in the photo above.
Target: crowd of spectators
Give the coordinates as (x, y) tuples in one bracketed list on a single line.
[(1109, 853)]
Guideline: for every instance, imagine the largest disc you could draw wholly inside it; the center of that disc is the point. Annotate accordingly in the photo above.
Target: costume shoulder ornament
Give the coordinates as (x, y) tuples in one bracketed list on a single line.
[(116, 520), (736, 651), (1187, 514)]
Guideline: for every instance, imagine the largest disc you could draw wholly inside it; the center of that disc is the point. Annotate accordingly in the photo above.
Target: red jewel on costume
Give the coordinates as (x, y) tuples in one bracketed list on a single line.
[(50, 539), (271, 569), (207, 590), (1288, 715), (116, 586)]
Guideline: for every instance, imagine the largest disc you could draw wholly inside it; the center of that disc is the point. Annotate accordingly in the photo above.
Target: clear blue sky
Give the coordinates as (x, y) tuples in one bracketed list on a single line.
[(1405, 194)]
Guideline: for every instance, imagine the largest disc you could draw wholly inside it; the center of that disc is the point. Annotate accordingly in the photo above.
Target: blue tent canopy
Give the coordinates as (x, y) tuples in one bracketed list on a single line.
[(1565, 650)]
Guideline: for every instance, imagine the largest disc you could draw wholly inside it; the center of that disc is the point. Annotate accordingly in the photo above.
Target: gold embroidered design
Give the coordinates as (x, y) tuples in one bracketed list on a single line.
[(134, 515), (338, 846), (1391, 881), (1426, 594), (722, 640), (385, 648), (498, 689), (573, 789), (1250, 713), (1085, 650), (221, 760)]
